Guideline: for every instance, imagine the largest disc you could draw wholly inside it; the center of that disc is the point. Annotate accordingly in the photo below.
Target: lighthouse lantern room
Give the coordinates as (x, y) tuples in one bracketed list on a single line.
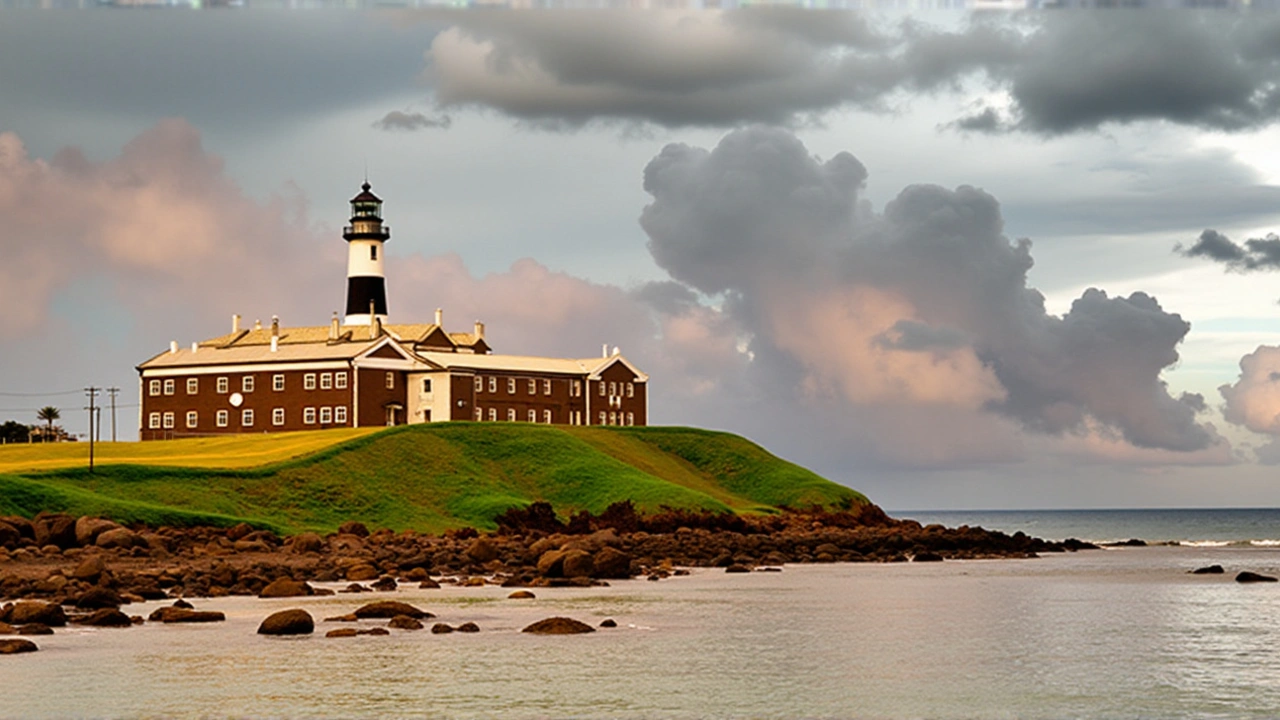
[(366, 282)]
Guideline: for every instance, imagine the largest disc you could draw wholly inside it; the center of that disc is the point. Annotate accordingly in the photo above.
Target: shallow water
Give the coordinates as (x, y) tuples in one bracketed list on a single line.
[(1110, 633)]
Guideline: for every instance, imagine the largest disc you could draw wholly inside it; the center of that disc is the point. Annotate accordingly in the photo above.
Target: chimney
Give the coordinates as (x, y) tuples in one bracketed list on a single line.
[(275, 326), (333, 326), (173, 346), (257, 324), (235, 323), (479, 330), (616, 351), (604, 350), (439, 317), (275, 343), (195, 346), (375, 325)]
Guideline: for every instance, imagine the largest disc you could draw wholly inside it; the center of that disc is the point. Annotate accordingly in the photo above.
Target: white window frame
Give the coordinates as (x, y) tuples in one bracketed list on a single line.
[(479, 414), (224, 385), (546, 416), (246, 384), (511, 386), (391, 380), (546, 387), (326, 381), (193, 419), (308, 416), (493, 383), (631, 389), (426, 386), (340, 380), (631, 418), (309, 381), (246, 417), (153, 388), (193, 386), (576, 389), (613, 418), (533, 415), (479, 384), (511, 414), (602, 388), (277, 382), (533, 386), (493, 414), (153, 421), (604, 418), (169, 386), (613, 389), (168, 421), (340, 415), (277, 416), (222, 419), (326, 415)]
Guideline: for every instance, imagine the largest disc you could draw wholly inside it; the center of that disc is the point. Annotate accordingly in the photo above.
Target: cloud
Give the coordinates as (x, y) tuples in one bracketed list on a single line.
[(400, 120), (1255, 254), (1253, 401), (819, 282)]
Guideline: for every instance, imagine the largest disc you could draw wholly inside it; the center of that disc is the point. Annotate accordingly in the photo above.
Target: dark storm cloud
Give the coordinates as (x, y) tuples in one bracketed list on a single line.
[(818, 282), (400, 120), (1255, 254)]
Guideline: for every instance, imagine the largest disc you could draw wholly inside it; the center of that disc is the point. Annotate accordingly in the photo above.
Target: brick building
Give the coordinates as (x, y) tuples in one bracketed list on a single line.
[(364, 371)]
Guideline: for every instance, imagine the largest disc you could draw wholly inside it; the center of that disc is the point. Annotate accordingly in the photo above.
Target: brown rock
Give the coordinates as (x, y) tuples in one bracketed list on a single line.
[(482, 550), (389, 609), (180, 615), (286, 587), (559, 626), (355, 588), (404, 622), (551, 563), (239, 531), (468, 627), (416, 575), (306, 542), (288, 622), (608, 623), (521, 595), (13, 647), (99, 597), (577, 564), (386, 583), (7, 629), (9, 535), (349, 617), (89, 528), (441, 629), (429, 584), (735, 568), (89, 569), (37, 612), (363, 571), (52, 584), (1253, 577), (106, 617), (374, 631), (342, 632), (35, 629), (353, 528), (55, 529), (611, 563), (117, 538)]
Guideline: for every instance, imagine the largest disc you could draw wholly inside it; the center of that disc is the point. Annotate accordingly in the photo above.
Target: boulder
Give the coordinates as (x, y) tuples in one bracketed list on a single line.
[(52, 585), (355, 588), (286, 587), (1253, 577), (429, 584), (349, 617), (54, 529), (611, 563), (389, 609), (117, 538), (89, 569), (353, 528), (31, 611), (521, 595), (99, 597), (441, 629), (342, 632), (21, 524), (9, 535), (926, 557), (468, 627), (577, 563), (559, 626), (551, 563), (7, 629), (735, 568), (374, 631), (608, 623), (35, 629), (482, 550), (404, 622), (306, 542), (1208, 570), (416, 575), (386, 583), (288, 622), (173, 615), (106, 617), (239, 531), (363, 571), (89, 528), (13, 647)]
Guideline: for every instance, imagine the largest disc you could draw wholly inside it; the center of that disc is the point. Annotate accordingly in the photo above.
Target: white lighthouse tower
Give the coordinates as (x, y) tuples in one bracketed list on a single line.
[(366, 283)]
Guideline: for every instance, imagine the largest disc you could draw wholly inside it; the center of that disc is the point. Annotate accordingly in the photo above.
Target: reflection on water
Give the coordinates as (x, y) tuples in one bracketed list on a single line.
[(1099, 634)]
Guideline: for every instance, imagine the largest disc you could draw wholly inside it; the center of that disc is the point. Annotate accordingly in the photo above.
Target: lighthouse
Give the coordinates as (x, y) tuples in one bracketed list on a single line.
[(366, 283)]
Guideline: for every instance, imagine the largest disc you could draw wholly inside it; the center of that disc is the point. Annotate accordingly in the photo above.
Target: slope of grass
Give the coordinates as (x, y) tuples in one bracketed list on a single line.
[(427, 477)]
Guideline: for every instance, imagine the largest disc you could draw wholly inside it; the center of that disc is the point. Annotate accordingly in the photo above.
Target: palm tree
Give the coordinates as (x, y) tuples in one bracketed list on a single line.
[(48, 414)]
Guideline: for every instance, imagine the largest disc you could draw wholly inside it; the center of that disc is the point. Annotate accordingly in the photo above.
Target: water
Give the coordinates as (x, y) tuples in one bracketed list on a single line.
[(1214, 526), (1110, 633)]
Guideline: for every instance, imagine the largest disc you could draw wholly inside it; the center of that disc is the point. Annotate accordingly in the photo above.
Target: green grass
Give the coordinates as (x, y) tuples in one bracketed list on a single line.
[(426, 477)]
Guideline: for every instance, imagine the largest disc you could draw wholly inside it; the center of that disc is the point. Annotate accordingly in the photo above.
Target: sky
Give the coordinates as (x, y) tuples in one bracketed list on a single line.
[(951, 259)]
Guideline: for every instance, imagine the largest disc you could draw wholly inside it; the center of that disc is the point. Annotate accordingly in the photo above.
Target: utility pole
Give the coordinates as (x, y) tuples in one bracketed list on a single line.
[(92, 392), (112, 392)]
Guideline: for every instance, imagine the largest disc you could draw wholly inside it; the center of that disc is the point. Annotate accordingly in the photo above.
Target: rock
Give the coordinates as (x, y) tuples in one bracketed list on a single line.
[(52, 585), (21, 524), (286, 587), (31, 611), (551, 563), (577, 563), (558, 626), (926, 557), (117, 538), (35, 629), (374, 631), (355, 588), (180, 603), (99, 597), (349, 617), (521, 595), (1252, 577), (468, 627), (608, 623), (107, 617), (612, 564), (429, 584), (441, 629), (353, 528), (386, 583), (389, 609), (7, 629), (182, 615), (473, 581), (288, 622), (239, 531), (404, 622), (89, 569), (363, 571), (306, 542), (1209, 570), (342, 632), (54, 529), (482, 550), (13, 647), (735, 568), (9, 535), (416, 575), (89, 528)]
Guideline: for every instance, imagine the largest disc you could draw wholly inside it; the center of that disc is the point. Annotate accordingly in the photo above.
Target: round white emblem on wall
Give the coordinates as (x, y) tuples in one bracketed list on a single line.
[(236, 399)]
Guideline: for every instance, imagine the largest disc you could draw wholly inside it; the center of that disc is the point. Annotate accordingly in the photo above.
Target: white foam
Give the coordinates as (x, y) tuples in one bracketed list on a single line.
[(1204, 543)]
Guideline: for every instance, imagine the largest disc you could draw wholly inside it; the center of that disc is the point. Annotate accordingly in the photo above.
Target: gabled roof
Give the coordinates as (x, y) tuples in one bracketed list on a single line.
[(248, 354), (590, 367)]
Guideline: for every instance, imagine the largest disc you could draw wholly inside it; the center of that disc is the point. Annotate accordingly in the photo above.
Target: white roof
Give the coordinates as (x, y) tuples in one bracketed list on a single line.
[(523, 363)]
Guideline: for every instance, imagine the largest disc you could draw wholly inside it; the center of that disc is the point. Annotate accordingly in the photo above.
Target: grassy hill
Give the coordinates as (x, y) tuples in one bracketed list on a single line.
[(426, 477)]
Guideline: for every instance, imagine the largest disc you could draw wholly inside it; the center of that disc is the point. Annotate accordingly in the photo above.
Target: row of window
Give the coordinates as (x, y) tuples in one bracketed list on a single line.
[(327, 381), (575, 417), (575, 390), (222, 418)]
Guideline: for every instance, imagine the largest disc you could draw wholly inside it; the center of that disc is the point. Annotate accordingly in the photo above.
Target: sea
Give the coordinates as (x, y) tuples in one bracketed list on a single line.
[(1119, 632)]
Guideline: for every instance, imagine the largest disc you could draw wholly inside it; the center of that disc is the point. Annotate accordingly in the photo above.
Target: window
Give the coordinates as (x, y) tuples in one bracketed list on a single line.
[(479, 414), (277, 382), (192, 418), (277, 416), (391, 381), (246, 418), (533, 416), (613, 389), (153, 421), (546, 387), (577, 388), (340, 380), (222, 418), (426, 385), (511, 414), (168, 421), (533, 386), (224, 386), (326, 415), (373, 252), (326, 381), (493, 414), (153, 387), (493, 384), (246, 384), (631, 389), (603, 418), (479, 384), (168, 386), (602, 388), (631, 418), (340, 415), (546, 416), (613, 418), (309, 381), (193, 386), (309, 415), (511, 386)]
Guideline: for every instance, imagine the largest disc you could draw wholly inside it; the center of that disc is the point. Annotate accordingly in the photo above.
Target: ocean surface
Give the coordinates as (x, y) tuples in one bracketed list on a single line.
[(1214, 526), (1114, 633)]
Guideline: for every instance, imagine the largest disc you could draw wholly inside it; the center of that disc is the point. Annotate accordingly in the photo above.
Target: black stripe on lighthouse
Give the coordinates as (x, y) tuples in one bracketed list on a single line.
[(363, 289)]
